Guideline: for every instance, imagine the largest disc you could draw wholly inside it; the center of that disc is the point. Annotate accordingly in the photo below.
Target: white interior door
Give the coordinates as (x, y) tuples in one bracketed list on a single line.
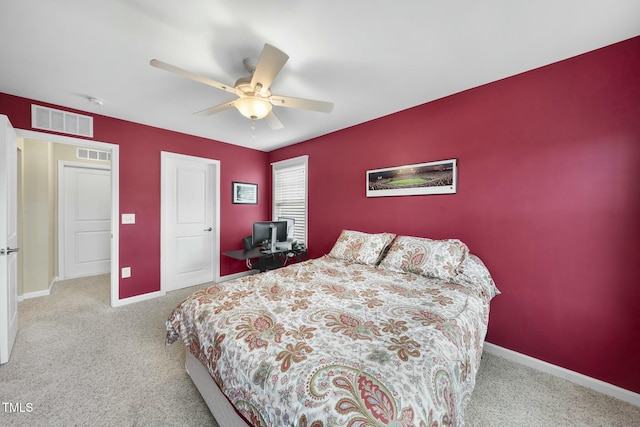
[(8, 238), (189, 221), (85, 219)]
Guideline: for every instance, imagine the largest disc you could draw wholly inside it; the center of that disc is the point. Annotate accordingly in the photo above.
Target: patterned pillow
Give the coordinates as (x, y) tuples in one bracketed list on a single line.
[(474, 272), (431, 258), (362, 248)]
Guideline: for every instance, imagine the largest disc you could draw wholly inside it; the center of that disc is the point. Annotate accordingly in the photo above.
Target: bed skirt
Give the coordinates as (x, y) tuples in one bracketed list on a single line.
[(222, 410)]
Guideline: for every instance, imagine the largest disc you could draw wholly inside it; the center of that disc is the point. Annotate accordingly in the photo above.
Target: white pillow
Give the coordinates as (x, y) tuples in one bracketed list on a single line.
[(359, 247), (431, 258)]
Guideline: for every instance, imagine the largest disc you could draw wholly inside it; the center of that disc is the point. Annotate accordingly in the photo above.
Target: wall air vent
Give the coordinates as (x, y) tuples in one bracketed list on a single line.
[(61, 121), (91, 154)]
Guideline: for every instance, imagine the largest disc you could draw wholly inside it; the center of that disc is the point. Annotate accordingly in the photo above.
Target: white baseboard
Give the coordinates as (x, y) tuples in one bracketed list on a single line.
[(575, 377), (131, 300), (37, 294), (151, 295), (138, 298)]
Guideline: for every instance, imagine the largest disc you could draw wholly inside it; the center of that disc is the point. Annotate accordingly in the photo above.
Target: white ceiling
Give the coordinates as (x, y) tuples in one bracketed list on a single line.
[(370, 58)]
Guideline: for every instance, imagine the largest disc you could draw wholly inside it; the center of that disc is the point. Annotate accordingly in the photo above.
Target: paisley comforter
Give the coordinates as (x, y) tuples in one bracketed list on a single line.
[(331, 343)]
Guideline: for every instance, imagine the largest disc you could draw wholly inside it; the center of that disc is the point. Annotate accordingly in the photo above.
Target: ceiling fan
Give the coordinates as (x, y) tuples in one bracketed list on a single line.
[(255, 99)]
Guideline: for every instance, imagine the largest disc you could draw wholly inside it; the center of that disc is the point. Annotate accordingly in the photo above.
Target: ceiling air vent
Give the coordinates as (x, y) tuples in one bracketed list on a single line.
[(61, 121)]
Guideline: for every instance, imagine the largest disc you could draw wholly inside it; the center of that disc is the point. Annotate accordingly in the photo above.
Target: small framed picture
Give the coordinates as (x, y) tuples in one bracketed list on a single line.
[(244, 193)]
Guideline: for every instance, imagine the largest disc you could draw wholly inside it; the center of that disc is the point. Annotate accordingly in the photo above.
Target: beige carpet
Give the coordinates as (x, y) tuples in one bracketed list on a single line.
[(77, 361)]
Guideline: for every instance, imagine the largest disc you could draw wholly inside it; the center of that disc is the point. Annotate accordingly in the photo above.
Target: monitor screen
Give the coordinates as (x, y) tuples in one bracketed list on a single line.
[(291, 222), (262, 231)]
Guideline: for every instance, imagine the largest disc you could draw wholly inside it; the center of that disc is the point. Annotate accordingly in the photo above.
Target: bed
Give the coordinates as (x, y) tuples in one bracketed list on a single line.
[(383, 330)]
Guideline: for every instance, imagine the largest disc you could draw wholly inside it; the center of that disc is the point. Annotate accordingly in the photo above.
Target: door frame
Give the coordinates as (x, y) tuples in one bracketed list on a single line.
[(62, 164), (164, 155), (115, 194)]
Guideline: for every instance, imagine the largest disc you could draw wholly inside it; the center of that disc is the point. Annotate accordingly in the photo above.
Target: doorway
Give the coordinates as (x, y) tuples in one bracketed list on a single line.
[(52, 245)]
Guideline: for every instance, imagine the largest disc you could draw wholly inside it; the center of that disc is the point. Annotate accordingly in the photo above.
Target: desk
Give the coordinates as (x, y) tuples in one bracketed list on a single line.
[(266, 261)]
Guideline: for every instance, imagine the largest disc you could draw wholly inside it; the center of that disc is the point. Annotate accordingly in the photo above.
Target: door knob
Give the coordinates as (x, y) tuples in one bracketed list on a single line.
[(208, 229), (9, 250)]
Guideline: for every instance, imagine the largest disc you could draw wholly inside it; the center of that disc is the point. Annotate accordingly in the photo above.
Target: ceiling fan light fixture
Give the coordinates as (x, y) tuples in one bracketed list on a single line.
[(254, 98), (253, 107)]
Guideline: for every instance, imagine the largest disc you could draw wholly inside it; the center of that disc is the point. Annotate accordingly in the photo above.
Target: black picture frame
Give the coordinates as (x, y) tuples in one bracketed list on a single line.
[(244, 193)]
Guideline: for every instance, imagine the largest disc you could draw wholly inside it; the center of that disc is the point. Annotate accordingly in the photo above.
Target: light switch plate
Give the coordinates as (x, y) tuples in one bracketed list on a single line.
[(126, 272), (128, 218)]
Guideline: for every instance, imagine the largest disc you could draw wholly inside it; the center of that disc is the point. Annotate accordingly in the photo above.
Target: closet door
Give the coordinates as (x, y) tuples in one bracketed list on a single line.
[(85, 215)]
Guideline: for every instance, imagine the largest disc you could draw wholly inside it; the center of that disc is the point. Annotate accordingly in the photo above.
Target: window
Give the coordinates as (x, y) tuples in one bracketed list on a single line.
[(290, 193)]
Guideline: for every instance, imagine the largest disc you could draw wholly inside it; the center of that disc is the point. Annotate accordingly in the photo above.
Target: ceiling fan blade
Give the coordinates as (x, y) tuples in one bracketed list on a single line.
[(188, 74), (273, 121), (215, 109), (269, 65), (306, 104)]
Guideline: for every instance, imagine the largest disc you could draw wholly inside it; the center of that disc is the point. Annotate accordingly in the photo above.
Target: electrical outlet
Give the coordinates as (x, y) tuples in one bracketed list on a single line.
[(126, 272)]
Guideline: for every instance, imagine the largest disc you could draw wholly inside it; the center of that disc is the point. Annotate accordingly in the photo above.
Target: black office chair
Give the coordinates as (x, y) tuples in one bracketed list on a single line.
[(248, 243)]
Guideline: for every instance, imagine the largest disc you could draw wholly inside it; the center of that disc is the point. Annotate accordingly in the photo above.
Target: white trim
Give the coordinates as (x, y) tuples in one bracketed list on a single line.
[(292, 161), (282, 164), (575, 377), (38, 294), (115, 194), (115, 226), (70, 140), (138, 298)]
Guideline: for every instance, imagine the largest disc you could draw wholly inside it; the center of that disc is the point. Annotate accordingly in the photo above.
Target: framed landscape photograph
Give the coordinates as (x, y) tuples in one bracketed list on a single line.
[(439, 177), (244, 193)]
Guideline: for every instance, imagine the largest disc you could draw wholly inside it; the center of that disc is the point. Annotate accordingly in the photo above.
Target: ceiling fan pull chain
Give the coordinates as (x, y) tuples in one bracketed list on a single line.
[(253, 128)]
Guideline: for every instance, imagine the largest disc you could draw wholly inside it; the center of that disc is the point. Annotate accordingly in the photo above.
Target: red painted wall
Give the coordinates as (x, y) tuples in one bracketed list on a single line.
[(548, 197), (140, 148)]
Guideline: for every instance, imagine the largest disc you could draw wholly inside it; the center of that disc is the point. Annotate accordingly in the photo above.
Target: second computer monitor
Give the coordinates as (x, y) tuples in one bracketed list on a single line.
[(262, 231), (291, 222)]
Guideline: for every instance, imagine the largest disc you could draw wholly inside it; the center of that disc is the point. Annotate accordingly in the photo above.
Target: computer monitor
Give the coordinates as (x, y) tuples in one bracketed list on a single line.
[(291, 222), (262, 232)]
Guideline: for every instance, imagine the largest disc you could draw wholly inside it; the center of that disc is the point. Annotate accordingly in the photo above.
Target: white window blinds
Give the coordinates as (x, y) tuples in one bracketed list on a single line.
[(290, 194)]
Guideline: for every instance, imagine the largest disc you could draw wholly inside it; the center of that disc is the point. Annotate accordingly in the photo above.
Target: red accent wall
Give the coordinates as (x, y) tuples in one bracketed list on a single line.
[(140, 148), (548, 196)]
